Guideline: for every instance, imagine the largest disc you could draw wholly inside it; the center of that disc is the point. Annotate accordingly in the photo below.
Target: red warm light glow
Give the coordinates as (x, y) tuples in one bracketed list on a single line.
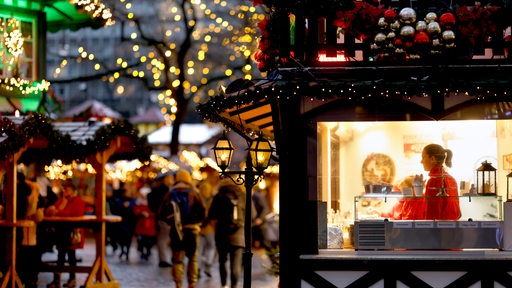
[(322, 57)]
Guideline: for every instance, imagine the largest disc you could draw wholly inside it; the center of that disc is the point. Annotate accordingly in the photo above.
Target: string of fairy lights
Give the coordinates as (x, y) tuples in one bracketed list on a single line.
[(95, 9), (215, 23), (12, 39)]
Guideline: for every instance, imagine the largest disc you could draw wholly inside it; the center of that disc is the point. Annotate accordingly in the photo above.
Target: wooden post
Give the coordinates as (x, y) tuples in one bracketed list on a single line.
[(9, 167), (98, 162)]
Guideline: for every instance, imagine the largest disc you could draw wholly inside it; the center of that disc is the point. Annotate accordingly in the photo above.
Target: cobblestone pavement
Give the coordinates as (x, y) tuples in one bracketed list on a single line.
[(137, 273)]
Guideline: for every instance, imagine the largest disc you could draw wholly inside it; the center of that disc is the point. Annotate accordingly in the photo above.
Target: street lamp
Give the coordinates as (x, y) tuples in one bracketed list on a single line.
[(257, 161)]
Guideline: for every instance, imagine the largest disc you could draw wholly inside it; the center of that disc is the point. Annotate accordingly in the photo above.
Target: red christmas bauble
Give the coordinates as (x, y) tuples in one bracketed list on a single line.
[(447, 20), (421, 38), (390, 15)]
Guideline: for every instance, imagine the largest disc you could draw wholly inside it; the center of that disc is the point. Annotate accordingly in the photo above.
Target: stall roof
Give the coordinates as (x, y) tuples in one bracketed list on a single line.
[(245, 111), (253, 110), (46, 140), (152, 115), (189, 134), (91, 108)]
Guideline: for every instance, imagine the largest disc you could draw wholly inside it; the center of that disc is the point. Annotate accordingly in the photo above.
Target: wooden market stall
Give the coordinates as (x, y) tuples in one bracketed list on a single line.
[(350, 62), (37, 138)]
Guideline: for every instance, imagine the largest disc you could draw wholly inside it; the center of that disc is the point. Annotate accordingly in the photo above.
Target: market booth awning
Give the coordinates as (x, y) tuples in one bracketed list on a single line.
[(436, 90), (243, 110), (91, 109)]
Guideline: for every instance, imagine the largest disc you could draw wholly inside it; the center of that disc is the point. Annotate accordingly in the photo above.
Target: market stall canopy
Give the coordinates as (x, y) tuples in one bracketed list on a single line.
[(241, 108), (91, 109), (436, 91), (45, 140), (189, 134), (152, 115)]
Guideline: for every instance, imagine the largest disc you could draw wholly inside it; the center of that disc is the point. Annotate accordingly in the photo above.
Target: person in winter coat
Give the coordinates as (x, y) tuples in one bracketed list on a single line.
[(207, 236), (162, 185), (126, 228), (29, 254), (227, 213), (186, 242), (145, 227), (69, 205)]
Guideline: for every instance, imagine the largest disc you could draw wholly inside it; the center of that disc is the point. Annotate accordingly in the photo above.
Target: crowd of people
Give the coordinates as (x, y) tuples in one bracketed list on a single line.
[(209, 226)]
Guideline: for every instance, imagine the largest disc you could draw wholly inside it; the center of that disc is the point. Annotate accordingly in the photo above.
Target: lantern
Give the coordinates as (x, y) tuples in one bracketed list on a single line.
[(486, 179), (223, 150), (260, 151)]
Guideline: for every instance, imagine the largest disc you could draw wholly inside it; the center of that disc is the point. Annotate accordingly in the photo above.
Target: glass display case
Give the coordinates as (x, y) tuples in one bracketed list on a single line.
[(480, 222), (378, 224), (382, 206)]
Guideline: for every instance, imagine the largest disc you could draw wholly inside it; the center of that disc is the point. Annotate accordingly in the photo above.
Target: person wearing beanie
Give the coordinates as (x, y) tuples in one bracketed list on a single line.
[(185, 243), (183, 177)]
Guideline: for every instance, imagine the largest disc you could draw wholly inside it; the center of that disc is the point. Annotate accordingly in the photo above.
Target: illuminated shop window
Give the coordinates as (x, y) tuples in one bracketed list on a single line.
[(361, 166), (17, 48)]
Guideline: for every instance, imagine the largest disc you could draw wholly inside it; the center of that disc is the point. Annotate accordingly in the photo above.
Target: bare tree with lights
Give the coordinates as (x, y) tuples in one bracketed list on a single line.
[(180, 51)]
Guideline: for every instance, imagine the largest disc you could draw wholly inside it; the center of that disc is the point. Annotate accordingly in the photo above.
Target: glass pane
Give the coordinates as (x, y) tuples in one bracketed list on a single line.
[(361, 166)]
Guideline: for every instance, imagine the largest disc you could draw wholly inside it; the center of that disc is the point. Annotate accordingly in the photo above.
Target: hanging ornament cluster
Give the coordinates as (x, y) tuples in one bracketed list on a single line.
[(402, 37)]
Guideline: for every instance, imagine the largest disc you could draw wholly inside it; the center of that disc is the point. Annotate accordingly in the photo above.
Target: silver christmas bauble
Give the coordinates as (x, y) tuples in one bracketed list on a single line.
[(407, 15), (395, 25), (448, 36), (421, 26), (382, 23), (433, 28), (380, 37), (431, 17), (407, 31)]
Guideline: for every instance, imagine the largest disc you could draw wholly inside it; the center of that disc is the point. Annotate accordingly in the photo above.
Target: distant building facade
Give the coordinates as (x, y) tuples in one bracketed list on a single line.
[(64, 45)]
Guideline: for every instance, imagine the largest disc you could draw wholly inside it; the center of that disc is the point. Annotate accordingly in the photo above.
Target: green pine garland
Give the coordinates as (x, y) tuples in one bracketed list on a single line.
[(61, 146)]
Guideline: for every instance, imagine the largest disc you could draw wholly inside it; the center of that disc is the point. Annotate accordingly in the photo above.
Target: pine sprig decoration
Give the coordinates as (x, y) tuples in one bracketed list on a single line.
[(9, 140), (106, 134), (61, 146)]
